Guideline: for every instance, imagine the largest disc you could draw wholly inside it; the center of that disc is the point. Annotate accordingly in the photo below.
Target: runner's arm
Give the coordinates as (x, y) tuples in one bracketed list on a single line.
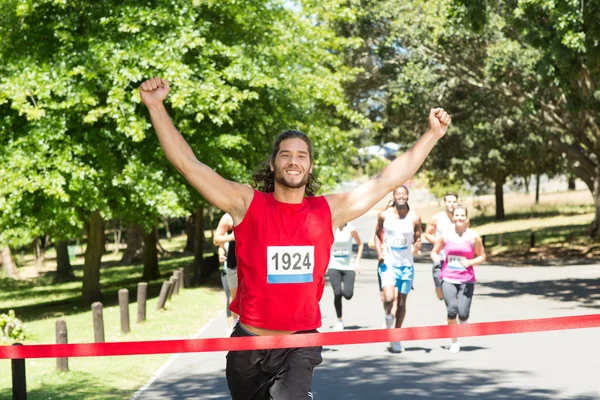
[(480, 255), (222, 255), (418, 228), (351, 205), (231, 197), (221, 236), (378, 230), (435, 253), (430, 230), (360, 244)]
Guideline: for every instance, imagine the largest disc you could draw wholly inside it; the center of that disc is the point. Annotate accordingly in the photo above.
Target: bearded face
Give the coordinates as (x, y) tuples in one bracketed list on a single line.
[(292, 165), (290, 178)]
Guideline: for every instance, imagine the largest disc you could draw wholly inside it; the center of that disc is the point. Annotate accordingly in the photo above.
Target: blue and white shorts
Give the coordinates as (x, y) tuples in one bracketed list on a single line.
[(401, 277)]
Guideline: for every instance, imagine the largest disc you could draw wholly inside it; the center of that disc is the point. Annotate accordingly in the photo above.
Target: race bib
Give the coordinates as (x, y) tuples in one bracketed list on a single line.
[(343, 253), (454, 262), (398, 243), (290, 264)]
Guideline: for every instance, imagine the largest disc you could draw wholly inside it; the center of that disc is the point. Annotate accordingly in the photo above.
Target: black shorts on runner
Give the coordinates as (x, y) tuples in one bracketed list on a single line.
[(284, 374)]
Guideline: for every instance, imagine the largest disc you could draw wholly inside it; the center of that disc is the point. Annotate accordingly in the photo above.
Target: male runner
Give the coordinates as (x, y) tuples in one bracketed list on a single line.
[(402, 237), (284, 234), (441, 224), (224, 237)]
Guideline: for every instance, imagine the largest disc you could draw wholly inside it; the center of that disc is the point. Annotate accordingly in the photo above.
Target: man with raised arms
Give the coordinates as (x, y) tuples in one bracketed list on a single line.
[(284, 234)]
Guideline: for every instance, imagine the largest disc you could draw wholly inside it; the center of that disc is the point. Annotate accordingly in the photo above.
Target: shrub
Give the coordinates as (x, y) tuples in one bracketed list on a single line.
[(11, 328)]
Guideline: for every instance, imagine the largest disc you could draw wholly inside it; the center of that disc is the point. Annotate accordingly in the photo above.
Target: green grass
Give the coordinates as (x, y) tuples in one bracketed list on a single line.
[(40, 303), (111, 377), (566, 235), (535, 212)]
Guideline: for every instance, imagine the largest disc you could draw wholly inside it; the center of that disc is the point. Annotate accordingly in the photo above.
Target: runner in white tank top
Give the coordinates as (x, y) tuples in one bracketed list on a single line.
[(343, 267), (402, 236), (441, 224)]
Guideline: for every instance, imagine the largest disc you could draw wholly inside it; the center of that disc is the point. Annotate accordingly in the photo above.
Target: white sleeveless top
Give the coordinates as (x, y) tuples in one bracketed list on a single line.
[(341, 250), (443, 225), (398, 238)]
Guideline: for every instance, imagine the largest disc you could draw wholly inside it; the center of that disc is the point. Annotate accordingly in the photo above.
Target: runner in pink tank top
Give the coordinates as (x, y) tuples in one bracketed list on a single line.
[(463, 249)]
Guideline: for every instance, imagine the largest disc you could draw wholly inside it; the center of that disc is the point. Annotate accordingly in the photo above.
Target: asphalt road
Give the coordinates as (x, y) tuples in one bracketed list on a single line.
[(545, 365)]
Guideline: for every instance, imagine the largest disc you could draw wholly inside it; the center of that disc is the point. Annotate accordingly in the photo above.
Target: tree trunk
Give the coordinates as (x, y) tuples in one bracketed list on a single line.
[(117, 237), (571, 184), (190, 232), (93, 259), (135, 244), (537, 188), (8, 264), (499, 198), (64, 271), (527, 180), (167, 229), (199, 270), (150, 256), (38, 251)]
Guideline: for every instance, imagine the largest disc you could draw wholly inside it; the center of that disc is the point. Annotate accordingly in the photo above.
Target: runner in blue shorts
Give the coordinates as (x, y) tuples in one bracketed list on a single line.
[(401, 236)]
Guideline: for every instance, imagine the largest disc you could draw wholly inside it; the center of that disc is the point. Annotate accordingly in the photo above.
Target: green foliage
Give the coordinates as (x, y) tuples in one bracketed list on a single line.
[(11, 328), (75, 138), (375, 165)]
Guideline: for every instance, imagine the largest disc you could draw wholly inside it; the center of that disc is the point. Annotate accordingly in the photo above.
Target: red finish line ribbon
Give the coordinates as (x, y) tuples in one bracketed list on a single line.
[(298, 340)]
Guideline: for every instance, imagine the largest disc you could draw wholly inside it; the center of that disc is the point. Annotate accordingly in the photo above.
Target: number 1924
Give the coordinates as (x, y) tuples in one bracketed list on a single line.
[(293, 261)]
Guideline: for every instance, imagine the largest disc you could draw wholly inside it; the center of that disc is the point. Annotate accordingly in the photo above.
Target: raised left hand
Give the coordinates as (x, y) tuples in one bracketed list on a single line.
[(439, 120)]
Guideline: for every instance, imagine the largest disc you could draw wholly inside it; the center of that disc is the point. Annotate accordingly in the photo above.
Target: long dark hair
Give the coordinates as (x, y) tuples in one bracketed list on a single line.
[(264, 178)]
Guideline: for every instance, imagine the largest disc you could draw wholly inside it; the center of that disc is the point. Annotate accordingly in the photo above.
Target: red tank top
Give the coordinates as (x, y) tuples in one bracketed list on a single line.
[(282, 253)]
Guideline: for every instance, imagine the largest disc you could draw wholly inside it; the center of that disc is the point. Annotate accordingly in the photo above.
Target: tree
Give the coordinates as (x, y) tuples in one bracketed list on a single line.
[(422, 54), (72, 124), (565, 35)]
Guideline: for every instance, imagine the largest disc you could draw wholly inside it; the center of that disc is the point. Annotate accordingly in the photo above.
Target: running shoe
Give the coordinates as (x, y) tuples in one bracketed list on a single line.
[(397, 347), (454, 348), (339, 326)]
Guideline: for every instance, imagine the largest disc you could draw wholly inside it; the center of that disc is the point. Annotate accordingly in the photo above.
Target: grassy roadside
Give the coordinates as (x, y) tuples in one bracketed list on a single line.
[(40, 303), (112, 377)]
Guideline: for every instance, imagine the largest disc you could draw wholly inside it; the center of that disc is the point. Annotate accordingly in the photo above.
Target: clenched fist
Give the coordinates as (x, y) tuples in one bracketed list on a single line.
[(439, 121), (154, 91)]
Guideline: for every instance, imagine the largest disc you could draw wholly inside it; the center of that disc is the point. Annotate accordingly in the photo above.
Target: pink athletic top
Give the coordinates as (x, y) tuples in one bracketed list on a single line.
[(282, 252), (458, 248)]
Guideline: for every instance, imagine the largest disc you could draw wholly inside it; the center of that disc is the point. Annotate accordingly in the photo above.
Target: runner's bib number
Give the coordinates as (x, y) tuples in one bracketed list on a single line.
[(341, 252), (290, 264), (455, 262), (399, 243)]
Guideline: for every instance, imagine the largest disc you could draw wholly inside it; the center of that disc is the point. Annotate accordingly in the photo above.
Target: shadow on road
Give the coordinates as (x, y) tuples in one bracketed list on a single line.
[(584, 291), (376, 378)]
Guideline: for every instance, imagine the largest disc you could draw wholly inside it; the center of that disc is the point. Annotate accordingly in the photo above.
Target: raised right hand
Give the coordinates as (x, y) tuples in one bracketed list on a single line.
[(154, 91)]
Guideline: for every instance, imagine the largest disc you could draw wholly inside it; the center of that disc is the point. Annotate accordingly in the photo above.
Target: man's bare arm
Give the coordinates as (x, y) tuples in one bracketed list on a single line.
[(437, 247), (378, 230), (430, 231), (418, 229), (351, 205), (231, 197), (221, 236)]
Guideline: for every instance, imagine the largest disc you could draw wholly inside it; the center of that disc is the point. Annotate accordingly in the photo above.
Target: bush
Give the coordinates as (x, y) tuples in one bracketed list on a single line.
[(11, 328), (375, 165)]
